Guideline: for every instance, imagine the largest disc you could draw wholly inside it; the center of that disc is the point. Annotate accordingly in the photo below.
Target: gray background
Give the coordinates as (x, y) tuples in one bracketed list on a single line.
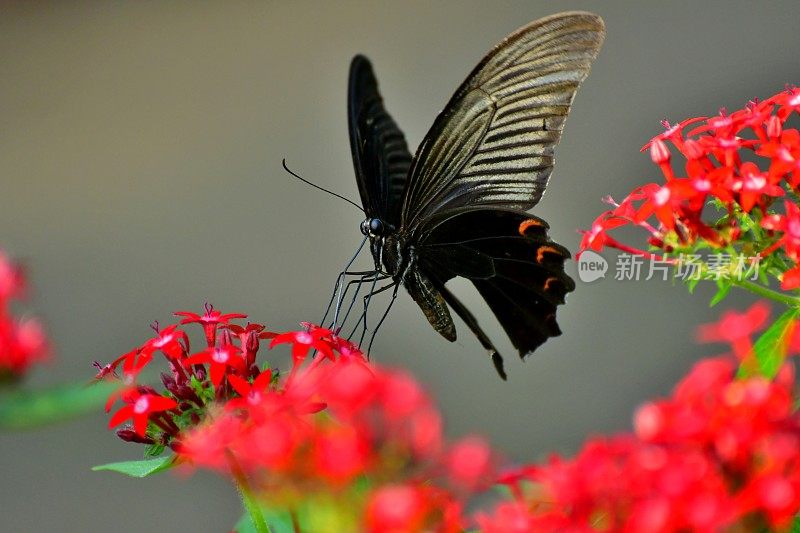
[(140, 154)]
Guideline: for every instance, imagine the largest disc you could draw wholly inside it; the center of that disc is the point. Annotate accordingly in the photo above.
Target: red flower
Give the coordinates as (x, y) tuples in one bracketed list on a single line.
[(598, 238), (140, 407), (673, 133), (789, 224), (624, 213), (753, 186), (316, 338), (788, 101), (791, 279), (340, 453), (469, 463), (21, 345), (210, 320), (736, 329), (395, 508), (250, 395), (249, 337), (12, 281), (349, 387), (22, 342), (209, 444), (778, 496), (219, 360), (171, 341), (509, 517)]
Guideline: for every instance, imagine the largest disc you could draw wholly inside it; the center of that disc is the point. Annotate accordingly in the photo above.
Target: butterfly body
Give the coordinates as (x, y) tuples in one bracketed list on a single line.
[(457, 208)]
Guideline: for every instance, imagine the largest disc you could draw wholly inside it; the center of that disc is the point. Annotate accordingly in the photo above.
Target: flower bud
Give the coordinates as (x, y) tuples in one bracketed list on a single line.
[(774, 127), (129, 435)]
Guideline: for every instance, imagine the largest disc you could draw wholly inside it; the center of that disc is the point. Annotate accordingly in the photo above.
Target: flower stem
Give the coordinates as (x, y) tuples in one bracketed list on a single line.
[(765, 292), (295, 522), (250, 504)]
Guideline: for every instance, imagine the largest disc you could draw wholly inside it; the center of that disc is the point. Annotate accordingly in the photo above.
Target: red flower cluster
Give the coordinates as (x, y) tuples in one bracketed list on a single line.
[(332, 420), (337, 420), (194, 382), (747, 431), (721, 452), (366, 442), (22, 342), (716, 168)]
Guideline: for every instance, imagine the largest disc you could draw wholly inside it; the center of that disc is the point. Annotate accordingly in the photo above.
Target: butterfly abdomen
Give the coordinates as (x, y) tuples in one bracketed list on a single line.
[(431, 302), (400, 260)]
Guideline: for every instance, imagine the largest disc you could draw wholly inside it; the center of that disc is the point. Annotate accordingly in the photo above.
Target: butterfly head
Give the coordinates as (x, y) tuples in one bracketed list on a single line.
[(375, 228), (385, 244)]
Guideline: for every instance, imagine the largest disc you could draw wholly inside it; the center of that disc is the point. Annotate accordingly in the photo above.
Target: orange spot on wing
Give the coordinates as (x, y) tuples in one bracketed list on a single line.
[(545, 250), (549, 281), (530, 223)]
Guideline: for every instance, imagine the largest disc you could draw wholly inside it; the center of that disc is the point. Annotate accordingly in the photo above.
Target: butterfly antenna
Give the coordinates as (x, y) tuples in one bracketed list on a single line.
[(323, 189)]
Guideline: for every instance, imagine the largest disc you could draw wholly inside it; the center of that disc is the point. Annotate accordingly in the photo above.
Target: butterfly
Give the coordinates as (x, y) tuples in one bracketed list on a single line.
[(458, 207)]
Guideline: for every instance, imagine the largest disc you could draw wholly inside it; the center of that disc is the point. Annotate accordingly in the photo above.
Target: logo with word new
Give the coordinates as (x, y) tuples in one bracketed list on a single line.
[(591, 266)]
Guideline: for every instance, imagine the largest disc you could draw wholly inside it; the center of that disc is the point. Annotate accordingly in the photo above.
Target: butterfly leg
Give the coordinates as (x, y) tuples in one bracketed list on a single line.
[(372, 277), (343, 290), (367, 300), (339, 293), (362, 319), (340, 277), (396, 286)]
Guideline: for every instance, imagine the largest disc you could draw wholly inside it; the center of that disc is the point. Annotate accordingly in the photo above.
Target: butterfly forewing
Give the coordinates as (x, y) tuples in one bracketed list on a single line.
[(380, 154), (493, 143)]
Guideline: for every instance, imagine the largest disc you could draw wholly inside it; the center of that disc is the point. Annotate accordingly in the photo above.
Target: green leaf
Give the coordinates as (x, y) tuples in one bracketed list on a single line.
[(722, 291), (154, 450), (29, 409), (142, 468), (691, 284), (796, 524), (277, 521), (770, 348), (244, 525)]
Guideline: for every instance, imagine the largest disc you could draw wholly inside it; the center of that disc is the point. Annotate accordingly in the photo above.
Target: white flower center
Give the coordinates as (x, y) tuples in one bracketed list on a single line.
[(141, 405), (220, 356), (662, 196)]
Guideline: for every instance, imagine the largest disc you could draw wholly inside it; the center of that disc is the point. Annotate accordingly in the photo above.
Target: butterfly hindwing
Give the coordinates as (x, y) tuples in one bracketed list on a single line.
[(509, 258)]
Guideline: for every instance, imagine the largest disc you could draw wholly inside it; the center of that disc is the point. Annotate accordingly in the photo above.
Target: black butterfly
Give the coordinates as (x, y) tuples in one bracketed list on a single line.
[(457, 208)]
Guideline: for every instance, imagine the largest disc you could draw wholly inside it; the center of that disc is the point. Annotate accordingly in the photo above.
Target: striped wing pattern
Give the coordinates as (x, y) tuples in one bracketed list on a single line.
[(380, 154), (493, 143)]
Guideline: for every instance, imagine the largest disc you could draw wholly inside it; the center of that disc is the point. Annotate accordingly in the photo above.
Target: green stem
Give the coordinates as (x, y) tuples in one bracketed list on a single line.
[(765, 292), (295, 521), (251, 506)]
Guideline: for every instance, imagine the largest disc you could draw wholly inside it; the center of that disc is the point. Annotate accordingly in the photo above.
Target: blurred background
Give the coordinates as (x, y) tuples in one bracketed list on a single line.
[(140, 164)]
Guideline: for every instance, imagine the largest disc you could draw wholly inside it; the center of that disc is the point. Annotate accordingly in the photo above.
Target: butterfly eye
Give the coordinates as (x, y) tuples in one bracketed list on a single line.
[(376, 226)]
